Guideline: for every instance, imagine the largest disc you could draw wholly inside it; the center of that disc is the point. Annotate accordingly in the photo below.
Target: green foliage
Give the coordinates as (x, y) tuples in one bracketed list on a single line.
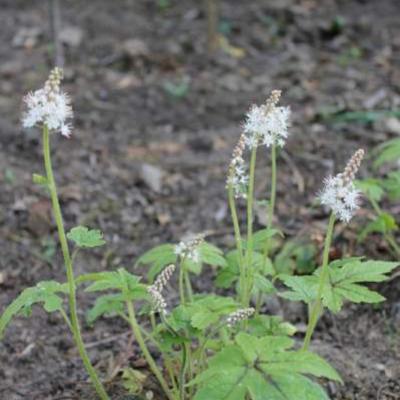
[(391, 184), (177, 90), (121, 280), (39, 180), (294, 256), (378, 189), (372, 188), (126, 284), (109, 304), (344, 283), (9, 176), (229, 274), (384, 223), (255, 367), (133, 380), (270, 325), (388, 152), (160, 256), (85, 238), (157, 258), (202, 313), (261, 237), (46, 292)]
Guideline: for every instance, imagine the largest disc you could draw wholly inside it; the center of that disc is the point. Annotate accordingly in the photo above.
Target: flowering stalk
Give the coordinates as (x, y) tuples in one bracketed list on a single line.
[(74, 321), (340, 195), (271, 207), (317, 307), (268, 125), (236, 183), (249, 250), (239, 247)]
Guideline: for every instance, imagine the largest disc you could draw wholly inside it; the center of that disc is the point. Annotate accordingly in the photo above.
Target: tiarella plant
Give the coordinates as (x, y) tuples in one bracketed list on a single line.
[(50, 109), (206, 346)]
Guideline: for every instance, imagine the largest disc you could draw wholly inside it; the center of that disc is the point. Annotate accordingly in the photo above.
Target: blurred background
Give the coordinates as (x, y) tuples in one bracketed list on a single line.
[(160, 89)]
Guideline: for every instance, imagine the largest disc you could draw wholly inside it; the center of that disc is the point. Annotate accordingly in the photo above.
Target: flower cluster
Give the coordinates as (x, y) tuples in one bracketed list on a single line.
[(155, 290), (237, 176), (267, 124), (239, 315), (49, 106), (189, 249), (339, 192)]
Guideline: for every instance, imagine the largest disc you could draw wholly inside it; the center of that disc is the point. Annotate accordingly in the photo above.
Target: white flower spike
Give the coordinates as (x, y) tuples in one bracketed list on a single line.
[(237, 175), (267, 124), (190, 249), (239, 315), (49, 106), (339, 192), (155, 290)]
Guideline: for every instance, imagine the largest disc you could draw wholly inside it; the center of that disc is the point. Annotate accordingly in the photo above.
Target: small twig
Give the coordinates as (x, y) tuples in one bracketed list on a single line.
[(55, 28), (212, 24), (108, 340)]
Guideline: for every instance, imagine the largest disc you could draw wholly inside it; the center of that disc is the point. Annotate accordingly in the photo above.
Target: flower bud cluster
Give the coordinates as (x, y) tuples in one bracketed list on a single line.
[(155, 290), (49, 106), (239, 315), (190, 249), (267, 124), (237, 176), (339, 192)]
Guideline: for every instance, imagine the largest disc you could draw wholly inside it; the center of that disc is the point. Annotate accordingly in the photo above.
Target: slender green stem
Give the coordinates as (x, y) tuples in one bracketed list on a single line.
[(317, 306), (272, 200), (250, 201), (189, 289), (74, 321), (182, 283), (239, 247), (143, 347), (169, 368), (153, 321), (66, 319), (270, 216)]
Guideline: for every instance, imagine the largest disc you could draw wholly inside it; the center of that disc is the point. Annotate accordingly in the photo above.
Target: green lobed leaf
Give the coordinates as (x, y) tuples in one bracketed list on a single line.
[(372, 188), (85, 238), (208, 310), (345, 277), (392, 185), (387, 152), (157, 258), (230, 274), (261, 238), (258, 366), (121, 280), (304, 288), (271, 325), (39, 179), (383, 223), (45, 292), (108, 304)]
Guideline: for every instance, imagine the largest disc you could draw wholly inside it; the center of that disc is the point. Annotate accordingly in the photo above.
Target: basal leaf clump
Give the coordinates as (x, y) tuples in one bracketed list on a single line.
[(208, 346)]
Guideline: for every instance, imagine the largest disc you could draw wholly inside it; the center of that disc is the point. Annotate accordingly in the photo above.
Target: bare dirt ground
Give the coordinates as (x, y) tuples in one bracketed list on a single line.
[(145, 92)]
